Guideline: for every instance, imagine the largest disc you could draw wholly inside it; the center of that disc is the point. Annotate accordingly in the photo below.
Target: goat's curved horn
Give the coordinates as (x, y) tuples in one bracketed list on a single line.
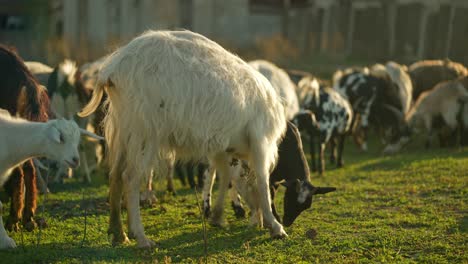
[(395, 110), (323, 190), (40, 165), (89, 134)]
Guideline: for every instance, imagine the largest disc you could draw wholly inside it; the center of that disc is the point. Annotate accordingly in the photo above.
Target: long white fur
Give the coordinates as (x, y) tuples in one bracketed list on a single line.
[(403, 80), (21, 140), (179, 93), (283, 85)]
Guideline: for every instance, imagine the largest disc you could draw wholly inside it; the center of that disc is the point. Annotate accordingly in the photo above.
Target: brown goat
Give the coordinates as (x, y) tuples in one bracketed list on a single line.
[(20, 94), (426, 74)]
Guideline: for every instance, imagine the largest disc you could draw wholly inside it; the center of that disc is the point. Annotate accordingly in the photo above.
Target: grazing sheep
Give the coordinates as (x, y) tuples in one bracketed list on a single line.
[(177, 93), (333, 116), (283, 85), (445, 102), (21, 140), (427, 73), (20, 94)]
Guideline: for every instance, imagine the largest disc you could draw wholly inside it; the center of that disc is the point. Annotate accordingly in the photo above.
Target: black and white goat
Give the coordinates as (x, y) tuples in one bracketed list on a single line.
[(327, 118), (291, 171), (374, 95)]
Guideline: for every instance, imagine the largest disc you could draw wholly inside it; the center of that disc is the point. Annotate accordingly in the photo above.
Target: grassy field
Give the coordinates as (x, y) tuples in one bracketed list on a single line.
[(406, 208)]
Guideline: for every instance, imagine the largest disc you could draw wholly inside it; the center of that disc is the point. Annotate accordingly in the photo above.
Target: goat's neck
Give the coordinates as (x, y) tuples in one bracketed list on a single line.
[(24, 140)]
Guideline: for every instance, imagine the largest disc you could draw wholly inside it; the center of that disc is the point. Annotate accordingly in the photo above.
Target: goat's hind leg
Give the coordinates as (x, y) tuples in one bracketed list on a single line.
[(132, 178), (116, 232), (259, 161)]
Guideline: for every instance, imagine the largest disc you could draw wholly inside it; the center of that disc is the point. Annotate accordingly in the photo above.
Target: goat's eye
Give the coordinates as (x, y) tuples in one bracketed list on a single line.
[(61, 138)]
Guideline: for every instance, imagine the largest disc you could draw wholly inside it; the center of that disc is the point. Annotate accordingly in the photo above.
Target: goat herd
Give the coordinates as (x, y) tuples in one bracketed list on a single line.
[(176, 96)]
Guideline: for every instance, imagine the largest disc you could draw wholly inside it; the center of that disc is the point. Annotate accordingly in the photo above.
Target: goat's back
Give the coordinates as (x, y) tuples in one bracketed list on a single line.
[(181, 91)]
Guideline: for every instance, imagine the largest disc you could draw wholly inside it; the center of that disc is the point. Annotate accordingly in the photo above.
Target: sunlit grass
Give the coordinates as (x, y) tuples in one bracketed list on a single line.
[(411, 207)]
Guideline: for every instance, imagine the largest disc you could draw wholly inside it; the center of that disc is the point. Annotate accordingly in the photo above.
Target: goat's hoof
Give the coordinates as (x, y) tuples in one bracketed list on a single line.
[(7, 242), (280, 235), (239, 211), (12, 226), (119, 238), (30, 224), (217, 217), (148, 199), (146, 243), (278, 232)]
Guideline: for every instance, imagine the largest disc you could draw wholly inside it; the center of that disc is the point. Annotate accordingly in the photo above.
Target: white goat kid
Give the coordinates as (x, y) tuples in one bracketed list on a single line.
[(21, 140), (179, 93)]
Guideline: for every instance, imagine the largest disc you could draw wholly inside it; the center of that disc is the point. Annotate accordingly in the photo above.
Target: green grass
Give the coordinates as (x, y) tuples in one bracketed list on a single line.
[(408, 208)]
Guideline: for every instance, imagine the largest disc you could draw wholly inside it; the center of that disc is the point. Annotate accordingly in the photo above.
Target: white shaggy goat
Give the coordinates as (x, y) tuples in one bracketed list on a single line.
[(283, 85), (178, 93), (21, 140)]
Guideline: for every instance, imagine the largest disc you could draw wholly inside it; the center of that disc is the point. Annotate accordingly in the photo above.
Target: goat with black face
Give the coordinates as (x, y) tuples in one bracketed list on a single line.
[(291, 171)]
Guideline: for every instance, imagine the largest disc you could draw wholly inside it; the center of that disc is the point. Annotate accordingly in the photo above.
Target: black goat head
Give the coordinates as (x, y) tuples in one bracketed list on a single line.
[(298, 197)]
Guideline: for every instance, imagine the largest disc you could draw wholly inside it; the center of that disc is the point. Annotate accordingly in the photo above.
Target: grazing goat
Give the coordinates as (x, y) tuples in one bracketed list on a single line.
[(446, 102), (291, 171), (333, 116), (21, 140), (67, 95), (177, 93), (285, 88), (281, 82), (374, 95), (427, 73), (21, 95)]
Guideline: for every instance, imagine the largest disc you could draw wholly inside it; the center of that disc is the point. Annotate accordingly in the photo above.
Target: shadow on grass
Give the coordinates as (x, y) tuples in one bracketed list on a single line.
[(400, 161), (463, 224), (219, 240), (72, 252)]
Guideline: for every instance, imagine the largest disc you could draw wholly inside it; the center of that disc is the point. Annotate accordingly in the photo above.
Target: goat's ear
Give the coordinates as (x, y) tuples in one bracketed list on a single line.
[(323, 190), (54, 134)]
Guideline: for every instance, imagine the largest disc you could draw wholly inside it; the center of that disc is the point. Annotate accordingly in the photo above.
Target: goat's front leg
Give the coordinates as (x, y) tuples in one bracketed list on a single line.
[(5, 240), (312, 150), (15, 189), (236, 204), (321, 169), (341, 140), (332, 150), (30, 196), (170, 179), (208, 181), (221, 163), (147, 197)]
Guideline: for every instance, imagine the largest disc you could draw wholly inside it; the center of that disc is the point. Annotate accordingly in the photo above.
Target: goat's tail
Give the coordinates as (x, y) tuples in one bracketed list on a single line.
[(96, 99)]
